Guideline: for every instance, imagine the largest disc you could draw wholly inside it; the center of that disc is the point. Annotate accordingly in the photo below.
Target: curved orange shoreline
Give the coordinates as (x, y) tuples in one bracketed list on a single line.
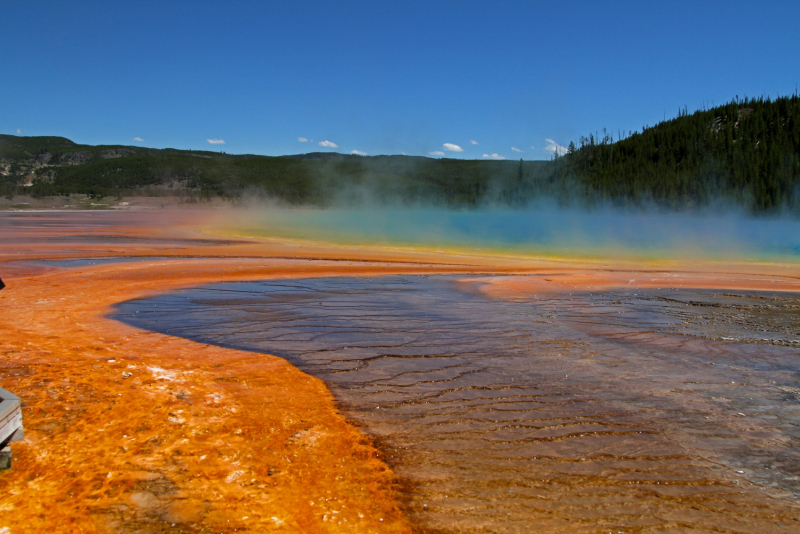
[(202, 438)]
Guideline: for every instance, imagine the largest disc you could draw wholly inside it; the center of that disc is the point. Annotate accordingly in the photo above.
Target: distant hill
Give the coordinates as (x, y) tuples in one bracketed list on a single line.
[(47, 166), (745, 153)]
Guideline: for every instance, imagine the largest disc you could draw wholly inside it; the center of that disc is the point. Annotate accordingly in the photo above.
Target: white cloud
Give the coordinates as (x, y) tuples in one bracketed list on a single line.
[(138, 139), (452, 148), (493, 156), (216, 141), (533, 147), (473, 142), (358, 153), (515, 149), (19, 131), (436, 153), (328, 144), (555, 148), (302, 139)]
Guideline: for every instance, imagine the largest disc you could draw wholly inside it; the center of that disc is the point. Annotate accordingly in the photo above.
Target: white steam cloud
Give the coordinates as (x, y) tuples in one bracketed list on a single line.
[(515, 149), (554, 148), (358, 153), (473, 142), (436, 153), (138, 139), (493, 156), (452, 148), (216, 141), (328, 144)]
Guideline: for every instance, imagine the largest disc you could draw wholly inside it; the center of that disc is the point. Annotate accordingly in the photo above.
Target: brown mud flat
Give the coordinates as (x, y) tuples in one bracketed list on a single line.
[(203, 438)]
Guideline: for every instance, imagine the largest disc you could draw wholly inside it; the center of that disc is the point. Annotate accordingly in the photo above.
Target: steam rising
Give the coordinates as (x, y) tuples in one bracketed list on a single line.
[(538, 231)]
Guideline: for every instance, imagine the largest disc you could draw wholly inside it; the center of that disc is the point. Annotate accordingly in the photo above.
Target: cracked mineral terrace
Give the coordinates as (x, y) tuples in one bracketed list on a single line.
[(626, 409)]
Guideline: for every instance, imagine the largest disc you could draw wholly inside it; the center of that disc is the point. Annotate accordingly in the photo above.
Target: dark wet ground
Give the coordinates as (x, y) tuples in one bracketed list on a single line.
[(641, 410)]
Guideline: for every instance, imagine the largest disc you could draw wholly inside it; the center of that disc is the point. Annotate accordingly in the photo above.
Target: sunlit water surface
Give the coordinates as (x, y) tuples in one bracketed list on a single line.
[(657, 410)]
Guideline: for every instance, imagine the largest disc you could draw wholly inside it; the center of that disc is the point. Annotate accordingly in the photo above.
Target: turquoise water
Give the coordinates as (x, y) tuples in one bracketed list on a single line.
[(544, 230)]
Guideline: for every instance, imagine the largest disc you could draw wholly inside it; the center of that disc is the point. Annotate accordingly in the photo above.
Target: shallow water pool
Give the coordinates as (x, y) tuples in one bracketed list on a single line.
[(640, 410)]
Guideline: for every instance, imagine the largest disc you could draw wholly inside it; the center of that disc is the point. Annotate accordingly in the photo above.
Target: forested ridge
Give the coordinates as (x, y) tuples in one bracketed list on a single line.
[(746, 152), (49, 166)]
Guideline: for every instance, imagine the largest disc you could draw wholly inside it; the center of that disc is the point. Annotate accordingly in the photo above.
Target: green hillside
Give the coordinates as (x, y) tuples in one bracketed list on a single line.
[(56, 166), (746, 152)]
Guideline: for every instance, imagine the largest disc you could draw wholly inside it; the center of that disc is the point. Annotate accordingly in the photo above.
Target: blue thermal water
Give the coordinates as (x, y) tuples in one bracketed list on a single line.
[(545, 230)]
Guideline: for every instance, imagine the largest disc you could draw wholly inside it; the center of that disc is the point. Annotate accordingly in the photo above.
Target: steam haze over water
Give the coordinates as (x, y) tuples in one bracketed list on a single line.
[(539, 231)]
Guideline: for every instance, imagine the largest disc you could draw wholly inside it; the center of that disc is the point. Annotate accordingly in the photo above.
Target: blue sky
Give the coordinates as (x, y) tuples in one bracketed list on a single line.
[(381, 77)]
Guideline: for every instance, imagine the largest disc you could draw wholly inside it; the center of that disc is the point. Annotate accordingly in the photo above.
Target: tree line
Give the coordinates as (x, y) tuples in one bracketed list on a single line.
[(745, 152)]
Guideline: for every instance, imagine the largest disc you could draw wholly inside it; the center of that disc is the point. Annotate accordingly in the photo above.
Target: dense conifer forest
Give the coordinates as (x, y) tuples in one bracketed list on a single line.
[(744, 153)]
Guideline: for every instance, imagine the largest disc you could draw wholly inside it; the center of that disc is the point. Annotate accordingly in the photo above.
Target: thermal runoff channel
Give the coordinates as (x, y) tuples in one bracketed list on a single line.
[(623, 408)]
